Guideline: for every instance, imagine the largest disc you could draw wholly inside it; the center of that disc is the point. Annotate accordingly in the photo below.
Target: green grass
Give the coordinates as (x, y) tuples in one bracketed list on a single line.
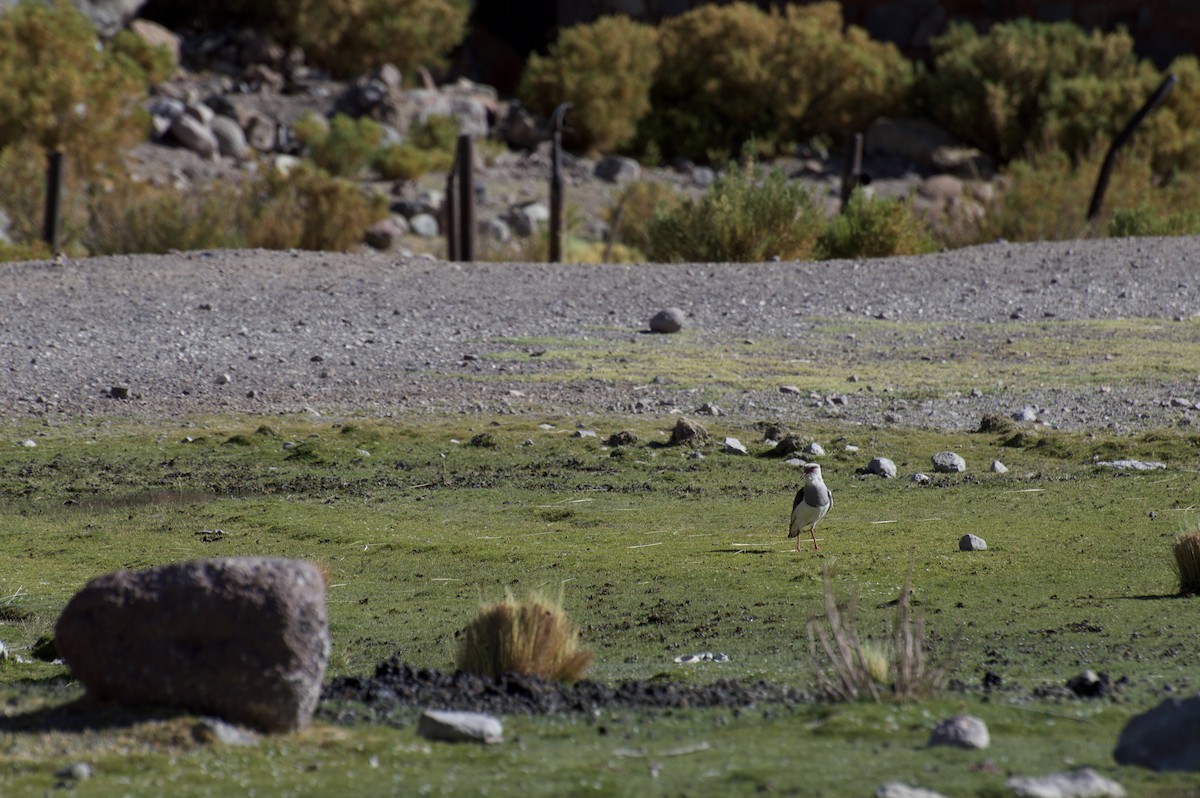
[(657, 555)]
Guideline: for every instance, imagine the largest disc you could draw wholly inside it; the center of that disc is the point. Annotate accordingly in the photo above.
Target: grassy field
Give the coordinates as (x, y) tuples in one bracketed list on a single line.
[(658, 554)]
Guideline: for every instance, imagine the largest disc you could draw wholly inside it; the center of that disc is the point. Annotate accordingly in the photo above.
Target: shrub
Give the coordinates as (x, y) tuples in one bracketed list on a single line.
[(740, 218), (605, 71), (430, 148), (348, 37), (343, 146), (732, 73), (1187, 562), (630, 219), (1025, 84), (137, 218), (62, 92), (532, 637), (157, 64), (307, 208), (851, 668), (1147, 221), (873, 228)]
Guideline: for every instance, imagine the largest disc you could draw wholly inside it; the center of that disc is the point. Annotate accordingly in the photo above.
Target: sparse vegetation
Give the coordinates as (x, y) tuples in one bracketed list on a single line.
[(309, 209), (873, 228), (532, 637)]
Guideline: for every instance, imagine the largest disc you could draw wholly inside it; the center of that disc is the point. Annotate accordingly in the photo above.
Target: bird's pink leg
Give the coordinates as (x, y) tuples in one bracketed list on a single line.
[(812, 530)]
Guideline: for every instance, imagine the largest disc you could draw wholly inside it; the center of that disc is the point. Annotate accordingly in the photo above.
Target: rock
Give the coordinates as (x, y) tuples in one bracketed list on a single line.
[(76, 771), (788, 444), (231, 139), (709, 409), (262, 133), (1026, 415), (1165, 738), (195, 135), (243, 638), (526, 219), (622, 438), (495, 230), (963, 731), (734, 446), (914, 140), (215, 730), (1132, 465), (941, 189), (948, 463), (920, 478), (1090, 684), (995, 423), (156, 35), (792, 390), (670, 320), (466, 103), (972, 543), (689, 433), (999, 468), (883, 467), (386, 233), (896, 789), (584, 433), (703, 176), (459, 727), (618, 169), (1081, 783), (425, 225), (814, 449), (109, 16)]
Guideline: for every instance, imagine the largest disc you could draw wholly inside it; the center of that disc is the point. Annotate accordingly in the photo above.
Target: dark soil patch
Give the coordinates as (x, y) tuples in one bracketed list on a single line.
[(397, 685)]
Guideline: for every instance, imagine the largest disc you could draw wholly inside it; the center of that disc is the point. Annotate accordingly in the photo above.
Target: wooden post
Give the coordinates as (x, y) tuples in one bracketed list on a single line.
[(466, 198), (52, 221), (557, 200), (453, 222), (852, 171)]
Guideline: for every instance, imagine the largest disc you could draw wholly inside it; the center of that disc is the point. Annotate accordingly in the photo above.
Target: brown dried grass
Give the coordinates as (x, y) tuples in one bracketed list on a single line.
[(849, 666), (532, 637), (1187, 562)]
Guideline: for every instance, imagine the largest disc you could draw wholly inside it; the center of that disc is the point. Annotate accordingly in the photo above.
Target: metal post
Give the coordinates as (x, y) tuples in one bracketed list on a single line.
[(852, 171), (466, 198), (1122, 139), (556, 186), (52, 222), (453, 222)]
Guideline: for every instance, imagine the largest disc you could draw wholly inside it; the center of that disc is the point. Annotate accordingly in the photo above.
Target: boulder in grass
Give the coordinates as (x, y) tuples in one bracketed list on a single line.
[(459, 727), (670, 320), (246, 639), (1164, 738), (961, 731)]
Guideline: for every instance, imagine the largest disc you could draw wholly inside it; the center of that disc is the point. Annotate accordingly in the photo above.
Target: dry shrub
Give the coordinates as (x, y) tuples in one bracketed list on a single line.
[(858, 669), (1187, 562), (133, 217), (307, 208), (532, 637), (629, 219)]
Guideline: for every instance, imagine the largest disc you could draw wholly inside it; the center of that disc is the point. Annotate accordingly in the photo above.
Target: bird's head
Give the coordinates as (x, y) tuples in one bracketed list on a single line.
[(812, 471)]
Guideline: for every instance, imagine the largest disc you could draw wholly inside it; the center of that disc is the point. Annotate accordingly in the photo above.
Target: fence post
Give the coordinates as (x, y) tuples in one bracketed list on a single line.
[(557, 200), (52, 221), (1122, 139), (453, 222), (852, 168), (466, 198)]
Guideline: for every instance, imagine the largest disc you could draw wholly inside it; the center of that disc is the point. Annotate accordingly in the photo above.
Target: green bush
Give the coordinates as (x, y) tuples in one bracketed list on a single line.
[(873, 228), (61, 91), (343, 146), (605, 71), (1147, 221), (740, 218), (137, 218), (307, 208), (631, 217), (734, 73), (157, 64), (1024, 85)]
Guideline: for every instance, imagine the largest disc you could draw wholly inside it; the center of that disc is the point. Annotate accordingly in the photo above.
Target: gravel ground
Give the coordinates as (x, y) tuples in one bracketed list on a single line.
[(269, 332)]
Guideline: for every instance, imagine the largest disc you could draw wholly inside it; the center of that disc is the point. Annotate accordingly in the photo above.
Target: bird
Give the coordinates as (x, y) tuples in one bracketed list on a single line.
[(811, 503)]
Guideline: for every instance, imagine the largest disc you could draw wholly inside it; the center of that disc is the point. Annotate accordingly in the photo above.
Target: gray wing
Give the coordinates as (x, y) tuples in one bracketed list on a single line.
[(815, 496)]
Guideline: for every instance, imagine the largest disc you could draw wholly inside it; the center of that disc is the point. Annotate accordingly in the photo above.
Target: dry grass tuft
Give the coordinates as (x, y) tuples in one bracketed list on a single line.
[(532, 637), (858, 669), (1187, 562)]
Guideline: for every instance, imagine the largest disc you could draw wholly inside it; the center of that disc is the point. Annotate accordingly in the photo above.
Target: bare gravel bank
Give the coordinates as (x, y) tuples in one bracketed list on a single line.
[(271, 332)]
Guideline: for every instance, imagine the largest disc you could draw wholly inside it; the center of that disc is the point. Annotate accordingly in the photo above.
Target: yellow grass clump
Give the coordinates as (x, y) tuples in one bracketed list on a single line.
[(1187, 562), (531, 637)]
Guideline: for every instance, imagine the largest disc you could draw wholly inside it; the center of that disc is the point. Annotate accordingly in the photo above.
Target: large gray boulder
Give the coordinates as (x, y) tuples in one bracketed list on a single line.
[(246, 639), (1165, 738)]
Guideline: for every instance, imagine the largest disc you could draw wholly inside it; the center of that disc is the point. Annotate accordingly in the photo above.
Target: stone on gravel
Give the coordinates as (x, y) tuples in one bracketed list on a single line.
[(1165, 738), (459, 727), (669, 320), (425, 225), (618, 169), (896, 789), (243, 638), (688, 433), (386, 233), (1025, 415), (963, 731), (948, 463), (1081, 783), (999, 468), (972, 543), (883, 467), (734, 446)]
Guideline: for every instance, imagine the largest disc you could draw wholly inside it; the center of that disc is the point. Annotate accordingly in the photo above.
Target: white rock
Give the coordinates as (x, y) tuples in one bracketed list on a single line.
[(883, 467), (814, 449), (964, 731), (1081, 783), (425, 225), (734, 446), (896, 789), (1132, 465), (459, 727), (948, 463), (972, 543), (999, 468)]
